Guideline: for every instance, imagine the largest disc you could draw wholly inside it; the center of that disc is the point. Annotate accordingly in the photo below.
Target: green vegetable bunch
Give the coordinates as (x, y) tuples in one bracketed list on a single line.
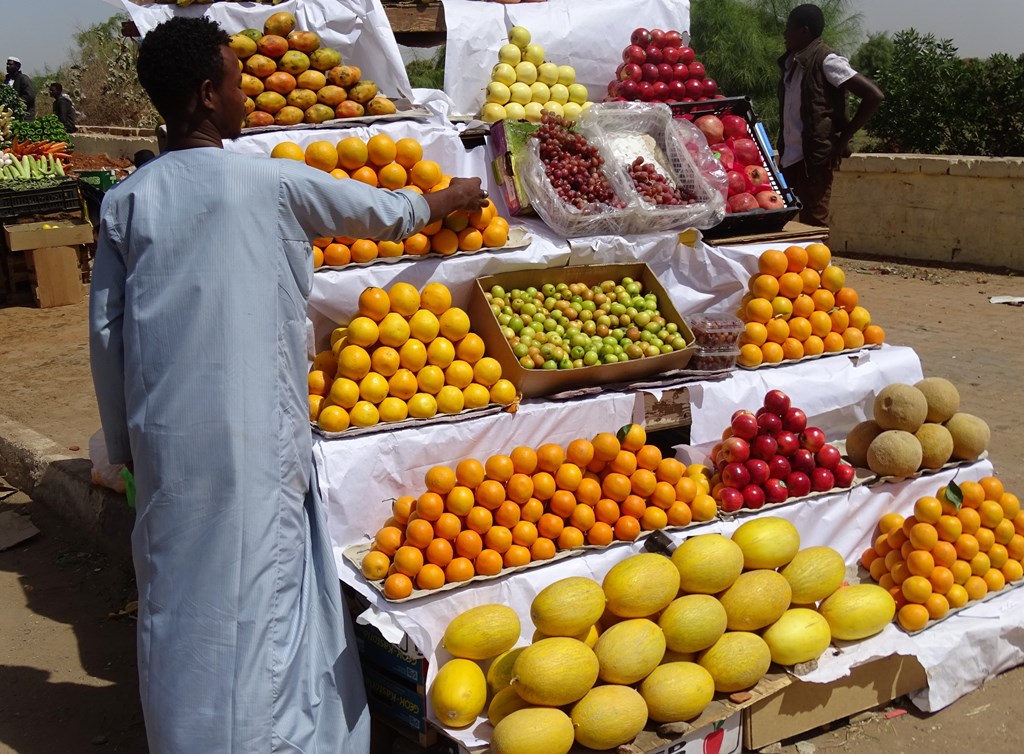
[(10, 100), (48, 128)]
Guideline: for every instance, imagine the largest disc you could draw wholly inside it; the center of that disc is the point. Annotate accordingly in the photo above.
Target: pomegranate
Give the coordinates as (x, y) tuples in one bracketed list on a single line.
[(735, 126), (746, 151), (711, 127)]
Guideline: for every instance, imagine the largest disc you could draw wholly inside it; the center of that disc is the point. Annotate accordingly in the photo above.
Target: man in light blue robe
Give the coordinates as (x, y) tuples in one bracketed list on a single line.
[(198, 341)]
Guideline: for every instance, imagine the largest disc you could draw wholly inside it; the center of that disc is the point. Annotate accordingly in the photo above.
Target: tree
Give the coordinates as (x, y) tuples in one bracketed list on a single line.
[(874, 55)]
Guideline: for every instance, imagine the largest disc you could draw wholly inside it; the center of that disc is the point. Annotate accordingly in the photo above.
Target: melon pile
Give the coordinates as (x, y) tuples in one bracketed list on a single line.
[(653, 642), (958, 546), (917, 427)]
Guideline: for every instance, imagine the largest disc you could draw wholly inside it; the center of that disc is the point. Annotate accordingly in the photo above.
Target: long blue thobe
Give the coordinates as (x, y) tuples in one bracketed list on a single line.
[(198, 339)]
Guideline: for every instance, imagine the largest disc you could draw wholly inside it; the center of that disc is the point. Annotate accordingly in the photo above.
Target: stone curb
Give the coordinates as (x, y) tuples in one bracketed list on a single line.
[(63, 483)]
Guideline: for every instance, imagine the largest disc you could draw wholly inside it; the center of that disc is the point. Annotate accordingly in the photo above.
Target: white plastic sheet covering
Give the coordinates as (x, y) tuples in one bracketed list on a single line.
[(587, 35), (358, 29)]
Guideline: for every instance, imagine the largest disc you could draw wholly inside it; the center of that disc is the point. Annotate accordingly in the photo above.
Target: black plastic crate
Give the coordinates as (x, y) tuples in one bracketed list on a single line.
[(746, 223), (60, 198)]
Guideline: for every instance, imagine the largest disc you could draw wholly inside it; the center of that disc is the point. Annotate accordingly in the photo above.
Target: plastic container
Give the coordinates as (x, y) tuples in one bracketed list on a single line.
[(102, 179), (714, 360), (60, 198), (717, 332)]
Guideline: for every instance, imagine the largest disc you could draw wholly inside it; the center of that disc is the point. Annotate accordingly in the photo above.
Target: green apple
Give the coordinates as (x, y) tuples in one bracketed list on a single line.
[(515, 111), (526, 73), (586, 106), (534, 112), (566, 75), (547, 73), (519, 36), (534, 53), (520, 93), (492, 112), (559, 94), (510, 54), (539, 92), (554, 107), (497, 93), (504, 73), (571, 111), (577, 93)]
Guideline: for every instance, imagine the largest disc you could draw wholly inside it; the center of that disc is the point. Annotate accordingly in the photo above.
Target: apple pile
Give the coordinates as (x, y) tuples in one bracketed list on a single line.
[(523, 84), (749, 187), (772, 455), (657, 67)]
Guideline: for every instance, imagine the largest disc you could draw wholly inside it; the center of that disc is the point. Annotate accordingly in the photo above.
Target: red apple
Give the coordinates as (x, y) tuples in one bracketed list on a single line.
[(686, 55), (770, 423), (657, 38), (788, 442), (759, 471), (799, 483), (844, 474), (629, 89), (753, 496), (744, 424), (631, 72), (670, 55), (779, 468), (735, 475), (676, 88), (828, 457), (757, 174), (650, 72), (614, 87), (794, 420), (634, 54), (777, 402), (640, 36), (710, 87), (746, 151), (673, 39), (695, 89), (802, 460), (644, 90), (812, 439), (822, 480), (732, 499), (764, 447), (743, 202), (680, 71), (775, 491), (769, 200), (653, 53), (697, 70), (665, 72), (736, 449), (659, 90), (736, 128)]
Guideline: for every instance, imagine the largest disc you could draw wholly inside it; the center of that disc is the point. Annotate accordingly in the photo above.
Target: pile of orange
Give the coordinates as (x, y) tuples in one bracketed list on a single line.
[(409, 353), (385, 163), (479, 518), (799, 305), (957, 547)]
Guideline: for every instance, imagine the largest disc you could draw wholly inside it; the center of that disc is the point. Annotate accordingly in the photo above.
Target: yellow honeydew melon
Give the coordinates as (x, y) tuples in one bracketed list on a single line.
[(568, 607), (555, 671), (532, 731), (677, 691), (499, 672), (757, 599), (707, 563), (769, 542), (858, 611), (458, 693), (628, 651), (503, 704), (609, 716), (482, 632), (693, 622), (800, 635), (737, 661), (641, 585), (814, 573)]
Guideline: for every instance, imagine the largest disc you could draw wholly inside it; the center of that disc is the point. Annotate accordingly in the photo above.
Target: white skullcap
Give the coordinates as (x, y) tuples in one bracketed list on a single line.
[(14, 60)]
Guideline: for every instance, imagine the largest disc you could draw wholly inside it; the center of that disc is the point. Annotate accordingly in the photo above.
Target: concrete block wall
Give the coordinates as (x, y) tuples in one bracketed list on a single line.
[(114, 141), (948, 209)]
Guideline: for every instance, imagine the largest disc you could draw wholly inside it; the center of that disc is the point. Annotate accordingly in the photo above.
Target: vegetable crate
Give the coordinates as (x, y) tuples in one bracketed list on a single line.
[(757, 221), (61, 198), (101, 179)]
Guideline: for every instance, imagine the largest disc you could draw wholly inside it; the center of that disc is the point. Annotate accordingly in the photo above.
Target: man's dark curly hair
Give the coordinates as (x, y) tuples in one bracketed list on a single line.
[(809, 16), (176, 57)]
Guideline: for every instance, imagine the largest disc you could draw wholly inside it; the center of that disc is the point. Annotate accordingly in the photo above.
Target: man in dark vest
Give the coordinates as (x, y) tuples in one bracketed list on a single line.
[(816, 131)]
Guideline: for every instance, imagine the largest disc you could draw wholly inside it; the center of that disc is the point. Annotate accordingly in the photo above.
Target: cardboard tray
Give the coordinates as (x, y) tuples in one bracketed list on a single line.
[(790, 362), (877, 479), (541, 382), (405, 111), (439, 418), (23, 236), (518, 238)]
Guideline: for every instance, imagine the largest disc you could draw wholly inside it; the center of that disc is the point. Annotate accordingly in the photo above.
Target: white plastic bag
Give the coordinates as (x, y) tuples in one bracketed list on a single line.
[(104, 473)]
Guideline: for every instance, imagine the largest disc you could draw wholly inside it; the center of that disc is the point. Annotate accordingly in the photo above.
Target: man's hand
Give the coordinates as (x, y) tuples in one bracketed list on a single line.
[(840, 151), (461, 194)]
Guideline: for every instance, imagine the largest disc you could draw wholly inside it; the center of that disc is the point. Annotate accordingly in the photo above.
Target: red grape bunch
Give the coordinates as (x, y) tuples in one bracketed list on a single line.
[(654, 188), (573, 166)]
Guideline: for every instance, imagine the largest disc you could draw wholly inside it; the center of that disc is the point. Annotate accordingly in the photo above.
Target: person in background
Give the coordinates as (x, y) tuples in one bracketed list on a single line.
[(141, 157), (198, 307), (64, 108), (816, 131), (23, 85)]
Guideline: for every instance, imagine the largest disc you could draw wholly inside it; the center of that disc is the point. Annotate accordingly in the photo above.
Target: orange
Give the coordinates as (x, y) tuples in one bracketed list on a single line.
[(759, 310), (550, 525), (381, 149), (859, 317), (582, 517), (920, 563), (944, 554), (937, 606), (970, 520), (755, 333), (364, 250), (846, 298), (444, 241), (288, 150), (488, 563), (679, 514), (365, 175), (392, 176), (896, 538), (519, 488), (580, 452), (853, 338), (459, 569), (549, 457), (868, 557), (532, 510), (482, 217), (941, 579), (600, 535), (653, 518), (397, 586), (956, 596), (440, 479), (524, 460), (1012, 570), (961, 571), (499, 467), (469, 473), (419, 532), (993, 487), (431, 228), (562, 503), (408, 152), (991, 513), (374, 303), (447, 526), (923, 536), (337, 255), (973, 494), (648, 457), (997, 556), (750, 355), (607, 510), (900, 572), (913, 617), (1010, 505), (543, 485), (507, 514), (840, 320), (627, 528), (799, 328), (568, 477), (390, 249), (470, 239), (606, 446), (966, 546), (818, 256), (322, 155), (616, 486), (429, 506), (778, 330), (670, 470), (874, 335), (832, 278), (495, 235), (402, 508), (976, 587), (887, 583), (772, 353), (588, 491), (916, 589), (479, 519), (542, 549), (388, 539), (352, 153), (470, 349), (790, 286), (772, 262), (643, 483), (881, 566), (516, 555), (375, 565), (811, 280), (994, 579), (834, 342), (796, 258), (890, 521), (986, 538), (440, 552), (570, 538), (417, 244), (425, 174), (765, 286), (824, 301), (408, 560), (664, 495), (431, 576), (704, 507), (498, 538), (318, 257), (792, 349), (1015, 547), (490, 494), (927, 510)]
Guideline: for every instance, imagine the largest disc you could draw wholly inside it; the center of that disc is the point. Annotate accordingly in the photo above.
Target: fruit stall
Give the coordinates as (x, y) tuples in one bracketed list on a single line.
[(596, 475)]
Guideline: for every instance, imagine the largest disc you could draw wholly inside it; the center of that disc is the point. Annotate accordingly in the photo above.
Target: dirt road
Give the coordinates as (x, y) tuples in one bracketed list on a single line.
[(67, 669)]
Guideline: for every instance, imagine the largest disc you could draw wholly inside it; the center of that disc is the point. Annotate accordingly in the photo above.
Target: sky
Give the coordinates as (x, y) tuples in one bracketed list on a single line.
[(40, 32)]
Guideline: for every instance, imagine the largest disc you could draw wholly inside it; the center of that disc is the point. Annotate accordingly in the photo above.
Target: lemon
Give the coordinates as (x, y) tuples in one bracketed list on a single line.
[(436, 298), (364, 414), (413, 355), (422, 406), (344, 392), (362, 331), (450, 400), (353, 362), (454, 324), (459, 373), (476, 395), (403, 384), (333, 419), (441, 352), (385, 360), (503, 392), (424, 325), (470, 348), (430, 379), (394, 330), (405, 299), (393, 410), (373, 388), (487, 371)]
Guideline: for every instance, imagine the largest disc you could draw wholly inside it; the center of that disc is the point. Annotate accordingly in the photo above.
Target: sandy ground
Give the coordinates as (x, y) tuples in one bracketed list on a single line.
[(67, 662)]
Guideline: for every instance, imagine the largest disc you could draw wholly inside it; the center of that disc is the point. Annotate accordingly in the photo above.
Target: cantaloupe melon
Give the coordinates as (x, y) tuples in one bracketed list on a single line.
[(608, 716), (942, 396), (677, 691), (971, 436), (800, 635), (768, 542), (555, 671), (568, 607), (482, 632), (504, 703), (900, 406), (628, 651), (532, 731), (641, 585), (737, 661), (707, 563), (693, 622), (814, 573), (499, 672), (859, 611), (458, 693), (757, 599)]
